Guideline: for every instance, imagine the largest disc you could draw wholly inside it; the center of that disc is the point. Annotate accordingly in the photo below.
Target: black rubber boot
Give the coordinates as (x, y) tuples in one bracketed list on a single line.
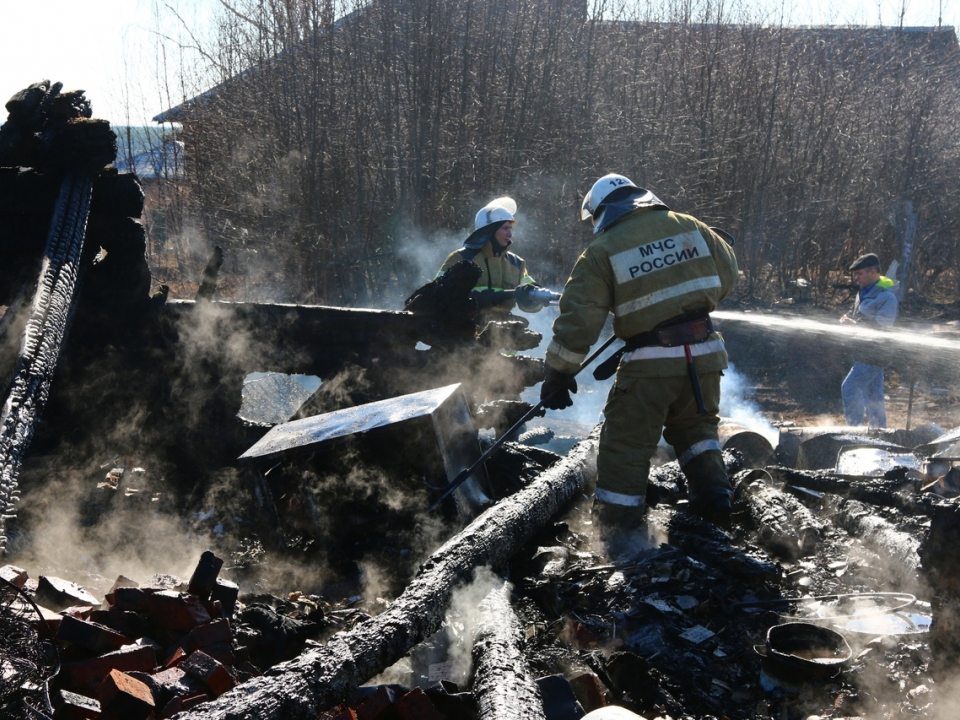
[(622, 528), (708, 488)]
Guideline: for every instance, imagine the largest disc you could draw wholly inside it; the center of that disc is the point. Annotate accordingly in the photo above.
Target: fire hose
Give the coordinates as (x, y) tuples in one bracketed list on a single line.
[(462, 477)]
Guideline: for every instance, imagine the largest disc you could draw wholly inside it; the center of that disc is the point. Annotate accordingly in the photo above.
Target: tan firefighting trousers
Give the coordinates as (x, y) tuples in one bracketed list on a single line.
[(638, 409)]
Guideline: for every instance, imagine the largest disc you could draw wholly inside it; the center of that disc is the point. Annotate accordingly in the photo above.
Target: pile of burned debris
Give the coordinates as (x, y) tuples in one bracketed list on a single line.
[(813, 604)]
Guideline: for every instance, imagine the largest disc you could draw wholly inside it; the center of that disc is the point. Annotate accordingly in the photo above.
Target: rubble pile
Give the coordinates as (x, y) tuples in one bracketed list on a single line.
[(151, 649)]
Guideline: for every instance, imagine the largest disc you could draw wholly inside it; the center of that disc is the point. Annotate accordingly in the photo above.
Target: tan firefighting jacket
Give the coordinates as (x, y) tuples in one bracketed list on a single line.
[(649, 267), (506, 271)]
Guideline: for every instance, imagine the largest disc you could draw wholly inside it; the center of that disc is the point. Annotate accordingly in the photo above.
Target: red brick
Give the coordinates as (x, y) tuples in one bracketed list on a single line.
[(80, 612), (204, 578), (586, 686), (169, 609), (124, 698), (14, 575), (76, 707), (170, 676), (120, 582), (378, 706), (176, 659), (216, 632), (90, 635), (182, 703), (126, 622), (57, 594), (226, 593), (213, 607), (130, 598), (340, 712), (415, 705), (213, 674), (80, 674), (221, 652), (51, 618)]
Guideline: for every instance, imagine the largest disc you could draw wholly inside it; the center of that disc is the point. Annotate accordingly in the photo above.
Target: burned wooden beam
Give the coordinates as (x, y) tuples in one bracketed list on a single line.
[(783, 525), (502, 682), (322, 677), (43, 335), (208, 285), (862, 522), (877, 491)]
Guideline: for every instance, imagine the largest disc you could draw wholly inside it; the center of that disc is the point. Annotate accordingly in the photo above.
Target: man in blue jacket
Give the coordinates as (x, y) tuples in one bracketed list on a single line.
[(875, 307)]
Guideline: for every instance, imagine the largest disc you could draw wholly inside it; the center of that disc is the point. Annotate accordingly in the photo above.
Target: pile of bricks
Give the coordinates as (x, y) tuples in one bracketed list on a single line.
[(147, 651)]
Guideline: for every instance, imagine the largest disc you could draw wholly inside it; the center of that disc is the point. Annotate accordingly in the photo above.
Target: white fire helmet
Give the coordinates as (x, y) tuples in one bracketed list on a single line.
[(496, 211), (599, 192)]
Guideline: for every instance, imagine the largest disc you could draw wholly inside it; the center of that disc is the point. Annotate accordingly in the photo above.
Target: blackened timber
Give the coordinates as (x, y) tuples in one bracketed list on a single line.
[(208, 285), (43, 335), (502, 682), (782, 524), (308, 338), (876, 491), (860, 521), (322, 677)]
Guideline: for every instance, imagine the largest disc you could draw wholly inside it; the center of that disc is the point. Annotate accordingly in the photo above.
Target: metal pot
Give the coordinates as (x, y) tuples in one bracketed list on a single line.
[(805, 651)]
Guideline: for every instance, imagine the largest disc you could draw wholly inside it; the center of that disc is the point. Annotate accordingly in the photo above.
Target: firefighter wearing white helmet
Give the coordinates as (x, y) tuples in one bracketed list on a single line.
[(504, 282), (660, 274)]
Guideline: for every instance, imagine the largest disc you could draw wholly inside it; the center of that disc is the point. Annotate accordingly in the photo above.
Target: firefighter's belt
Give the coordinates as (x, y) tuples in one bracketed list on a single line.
[(687, 329)]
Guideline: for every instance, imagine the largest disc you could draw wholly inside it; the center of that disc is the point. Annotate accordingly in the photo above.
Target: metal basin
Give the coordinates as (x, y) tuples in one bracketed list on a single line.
[(807, 649)]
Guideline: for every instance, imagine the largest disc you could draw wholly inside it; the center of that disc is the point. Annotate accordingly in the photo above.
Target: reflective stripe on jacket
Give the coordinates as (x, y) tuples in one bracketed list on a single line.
[(879, 304), (505, 271), (647, 268)]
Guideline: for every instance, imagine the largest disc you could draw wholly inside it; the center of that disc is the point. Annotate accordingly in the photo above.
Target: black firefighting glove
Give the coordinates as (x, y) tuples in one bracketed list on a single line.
[(488, 298), (556, 389), (524, 300)]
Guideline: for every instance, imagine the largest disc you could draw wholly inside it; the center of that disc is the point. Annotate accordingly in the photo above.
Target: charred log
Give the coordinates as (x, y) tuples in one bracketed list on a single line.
[(502, 681), (900, 548), (782, 524), (43, 335), (883, 492), (322, 677)]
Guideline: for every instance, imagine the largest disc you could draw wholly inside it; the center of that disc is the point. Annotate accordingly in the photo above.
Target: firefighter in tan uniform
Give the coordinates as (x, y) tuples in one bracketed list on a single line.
[(660, 273), (504, 282)]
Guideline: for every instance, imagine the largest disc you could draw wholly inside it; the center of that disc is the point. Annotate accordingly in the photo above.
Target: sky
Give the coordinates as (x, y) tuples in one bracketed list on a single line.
[(109, 48)]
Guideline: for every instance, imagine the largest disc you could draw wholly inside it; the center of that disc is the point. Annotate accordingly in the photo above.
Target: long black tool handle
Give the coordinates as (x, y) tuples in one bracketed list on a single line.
[(462, 477)]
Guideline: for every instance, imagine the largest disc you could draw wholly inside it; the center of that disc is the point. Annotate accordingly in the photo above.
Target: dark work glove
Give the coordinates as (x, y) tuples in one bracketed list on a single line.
[(487, 298), (556, 389), (524, 297)]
